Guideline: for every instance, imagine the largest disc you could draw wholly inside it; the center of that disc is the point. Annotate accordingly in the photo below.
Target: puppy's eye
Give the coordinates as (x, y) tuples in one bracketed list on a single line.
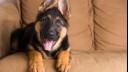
[(59, 23), (45, 19)]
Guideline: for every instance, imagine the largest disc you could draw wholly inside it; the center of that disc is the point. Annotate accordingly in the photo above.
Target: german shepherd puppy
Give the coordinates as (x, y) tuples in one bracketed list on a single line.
[(46, 37)]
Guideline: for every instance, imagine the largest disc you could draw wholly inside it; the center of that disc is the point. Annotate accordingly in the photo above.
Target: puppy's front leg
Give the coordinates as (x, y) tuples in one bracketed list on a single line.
[(35, 61), (63, 60)]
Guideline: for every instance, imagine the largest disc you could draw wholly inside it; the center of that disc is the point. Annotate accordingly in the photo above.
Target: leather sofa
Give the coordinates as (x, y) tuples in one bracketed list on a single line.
[(97, 34)]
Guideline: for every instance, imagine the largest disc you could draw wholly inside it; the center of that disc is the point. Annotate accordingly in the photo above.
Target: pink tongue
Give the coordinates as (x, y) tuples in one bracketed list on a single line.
[(48, 45)]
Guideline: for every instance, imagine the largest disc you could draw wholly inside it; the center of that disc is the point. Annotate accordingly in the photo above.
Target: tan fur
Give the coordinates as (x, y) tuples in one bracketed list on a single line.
[(57, 18), (37, 29), (63, 61), (49, 16), (63, 33), (35, 61)]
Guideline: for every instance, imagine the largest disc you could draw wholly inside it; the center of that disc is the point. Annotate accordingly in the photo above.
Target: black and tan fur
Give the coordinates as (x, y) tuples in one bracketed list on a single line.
[(51, 23)]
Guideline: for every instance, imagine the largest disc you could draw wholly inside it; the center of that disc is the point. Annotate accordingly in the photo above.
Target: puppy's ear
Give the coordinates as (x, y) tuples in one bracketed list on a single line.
[(63, 6), (47, 4)]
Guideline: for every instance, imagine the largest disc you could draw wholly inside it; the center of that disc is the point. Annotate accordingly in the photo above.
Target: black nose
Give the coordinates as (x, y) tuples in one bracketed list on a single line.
[(51, 34)]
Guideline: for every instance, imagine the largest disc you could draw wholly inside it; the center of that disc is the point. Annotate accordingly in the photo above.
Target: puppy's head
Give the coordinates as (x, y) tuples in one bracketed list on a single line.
[(52, 24)]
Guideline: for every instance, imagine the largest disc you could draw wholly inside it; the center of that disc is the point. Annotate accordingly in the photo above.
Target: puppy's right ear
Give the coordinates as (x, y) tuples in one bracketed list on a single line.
[(63, 6), (47, 4)]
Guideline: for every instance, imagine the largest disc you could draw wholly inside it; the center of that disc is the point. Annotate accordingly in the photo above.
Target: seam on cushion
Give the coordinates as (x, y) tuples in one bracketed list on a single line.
[(106, 29), (0, 48), (18, 4), (92, 36), (23, 24), (21, 14), (107, 42), (90, 7), (93, 6), (0, 53)]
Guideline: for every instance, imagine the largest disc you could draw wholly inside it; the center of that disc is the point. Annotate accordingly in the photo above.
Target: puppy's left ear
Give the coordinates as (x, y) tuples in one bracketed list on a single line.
[(47, 4), (63, 6)]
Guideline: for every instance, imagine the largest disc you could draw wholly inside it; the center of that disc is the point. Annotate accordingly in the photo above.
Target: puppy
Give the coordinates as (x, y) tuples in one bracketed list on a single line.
[(46, 37)]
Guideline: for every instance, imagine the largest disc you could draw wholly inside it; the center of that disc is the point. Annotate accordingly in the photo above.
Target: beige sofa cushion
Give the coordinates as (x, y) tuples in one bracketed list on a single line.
[(29, 9), (14, 63), (9, 20), (110, 24), (81, 62), (81, 24)]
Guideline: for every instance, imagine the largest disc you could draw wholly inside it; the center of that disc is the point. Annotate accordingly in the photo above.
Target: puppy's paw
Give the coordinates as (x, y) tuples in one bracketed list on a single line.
[(63, 64), (35, 62), (36, 66)]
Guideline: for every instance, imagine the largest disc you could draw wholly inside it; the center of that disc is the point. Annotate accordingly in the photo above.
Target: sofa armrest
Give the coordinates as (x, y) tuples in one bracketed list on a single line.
[(9, 20)]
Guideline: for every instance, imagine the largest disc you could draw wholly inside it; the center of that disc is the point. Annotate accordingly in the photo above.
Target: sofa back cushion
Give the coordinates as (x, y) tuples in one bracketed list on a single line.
[(9, 21), (29, 10), (110, 17), (81, 22)]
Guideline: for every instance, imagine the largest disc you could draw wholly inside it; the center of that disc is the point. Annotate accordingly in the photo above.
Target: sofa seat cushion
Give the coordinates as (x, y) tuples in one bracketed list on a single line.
[(81, 61), (14, 63)]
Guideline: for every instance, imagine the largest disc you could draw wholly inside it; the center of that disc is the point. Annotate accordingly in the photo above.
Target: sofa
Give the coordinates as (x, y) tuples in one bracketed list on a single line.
[(97, 35)]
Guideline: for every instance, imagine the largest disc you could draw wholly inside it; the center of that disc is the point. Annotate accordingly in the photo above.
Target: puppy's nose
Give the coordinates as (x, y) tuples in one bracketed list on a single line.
[(51, 34)]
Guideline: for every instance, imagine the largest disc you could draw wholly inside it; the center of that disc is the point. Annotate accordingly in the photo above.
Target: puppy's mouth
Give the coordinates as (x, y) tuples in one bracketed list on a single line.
[(48, 44)]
